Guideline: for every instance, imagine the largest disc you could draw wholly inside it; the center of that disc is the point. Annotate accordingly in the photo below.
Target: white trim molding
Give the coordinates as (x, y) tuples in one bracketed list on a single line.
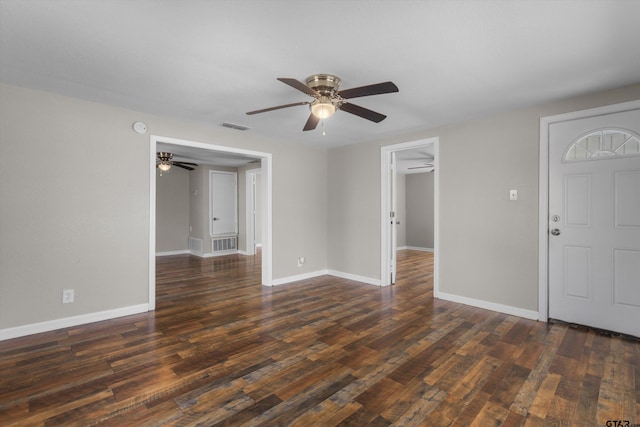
[(356, 278), (500, 308), (214, 254), (311, 275), (67, 322), (169, 253), (543, 185), (416, 248), (298, 277), (250, 199), (385, 182)]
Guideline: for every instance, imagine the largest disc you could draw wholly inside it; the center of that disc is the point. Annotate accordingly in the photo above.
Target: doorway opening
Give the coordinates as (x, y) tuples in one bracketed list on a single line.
[(265, 162), (388, 185)]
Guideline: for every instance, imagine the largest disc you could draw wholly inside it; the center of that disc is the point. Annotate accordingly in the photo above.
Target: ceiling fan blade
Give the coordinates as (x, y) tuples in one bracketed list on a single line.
[(312, 122), (375, 89), (185, 163), (264, 110), (297, 84), (362, 112), (189, 168)]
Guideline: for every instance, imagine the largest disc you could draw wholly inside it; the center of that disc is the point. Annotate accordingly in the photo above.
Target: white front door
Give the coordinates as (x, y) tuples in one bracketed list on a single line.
[(224, 203), (594, 221)]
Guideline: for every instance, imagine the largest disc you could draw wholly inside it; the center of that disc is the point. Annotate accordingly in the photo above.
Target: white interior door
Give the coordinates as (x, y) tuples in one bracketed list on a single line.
[(393, 244), (224, 203), (594, 221)]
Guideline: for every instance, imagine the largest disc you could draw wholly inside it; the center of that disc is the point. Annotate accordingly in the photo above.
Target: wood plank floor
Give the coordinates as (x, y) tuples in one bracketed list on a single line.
[(222, 350)]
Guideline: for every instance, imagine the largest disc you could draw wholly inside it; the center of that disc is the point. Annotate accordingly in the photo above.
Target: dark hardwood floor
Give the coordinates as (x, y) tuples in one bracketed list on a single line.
[(222, 350)]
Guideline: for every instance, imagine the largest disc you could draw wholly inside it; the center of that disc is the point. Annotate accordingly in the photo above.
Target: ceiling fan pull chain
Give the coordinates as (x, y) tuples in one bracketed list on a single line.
[(323, 132)]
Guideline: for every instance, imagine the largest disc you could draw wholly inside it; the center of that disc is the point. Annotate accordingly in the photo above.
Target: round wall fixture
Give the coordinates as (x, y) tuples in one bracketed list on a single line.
[(140, 127)]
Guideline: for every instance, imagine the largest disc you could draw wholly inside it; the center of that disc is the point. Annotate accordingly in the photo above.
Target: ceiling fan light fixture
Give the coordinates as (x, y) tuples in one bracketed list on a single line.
[(322, 107), (165, 161)]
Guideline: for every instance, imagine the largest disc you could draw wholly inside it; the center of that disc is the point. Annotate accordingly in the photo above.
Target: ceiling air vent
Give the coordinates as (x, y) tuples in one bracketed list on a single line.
[(234, 126)]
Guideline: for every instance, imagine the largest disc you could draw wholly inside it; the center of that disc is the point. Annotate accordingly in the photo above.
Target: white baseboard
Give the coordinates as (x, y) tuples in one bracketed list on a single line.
[(297, 277), (355, 277), (168, 253), (51, 325), (416, 248), (258, 245), (500, 308), (311, 275), (211, 255)]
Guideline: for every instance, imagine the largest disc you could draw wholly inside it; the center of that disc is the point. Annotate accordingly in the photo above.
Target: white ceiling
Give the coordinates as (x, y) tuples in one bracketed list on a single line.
[(212, 61)]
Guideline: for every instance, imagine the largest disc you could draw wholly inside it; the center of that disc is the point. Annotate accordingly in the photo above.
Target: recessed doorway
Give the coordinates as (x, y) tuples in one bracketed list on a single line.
[(389, 169), (207, 150)]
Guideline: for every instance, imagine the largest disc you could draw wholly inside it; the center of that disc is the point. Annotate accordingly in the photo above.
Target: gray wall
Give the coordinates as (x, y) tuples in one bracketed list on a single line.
[(420, 210), (199, 204), (353, 210), (496, 241), (172, 210), (77, 220), (182, 199)]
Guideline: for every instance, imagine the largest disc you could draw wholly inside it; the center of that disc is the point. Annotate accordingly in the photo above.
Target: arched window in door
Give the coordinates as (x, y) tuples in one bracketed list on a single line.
[(602, 144)]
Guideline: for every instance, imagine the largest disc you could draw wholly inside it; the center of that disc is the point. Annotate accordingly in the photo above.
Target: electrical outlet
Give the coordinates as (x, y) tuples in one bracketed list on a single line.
[(67, 296), (300, 261)]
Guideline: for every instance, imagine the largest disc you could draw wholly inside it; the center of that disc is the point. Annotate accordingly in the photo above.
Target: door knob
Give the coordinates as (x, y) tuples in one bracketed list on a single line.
[(215, 219), (555, 232)]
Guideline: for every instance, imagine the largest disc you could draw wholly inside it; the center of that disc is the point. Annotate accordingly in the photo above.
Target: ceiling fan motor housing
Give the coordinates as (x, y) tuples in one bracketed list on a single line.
[(324, 84), (165, 157)]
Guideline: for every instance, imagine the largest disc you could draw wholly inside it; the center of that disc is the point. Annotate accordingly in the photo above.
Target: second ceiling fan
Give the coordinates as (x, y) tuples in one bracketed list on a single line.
[(327, 98)]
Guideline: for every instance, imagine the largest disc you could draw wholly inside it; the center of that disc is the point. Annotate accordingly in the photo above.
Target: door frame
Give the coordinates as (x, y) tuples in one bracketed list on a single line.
[(250, 202), (267, 214), (543, 185), (392, 260), (385, 193)]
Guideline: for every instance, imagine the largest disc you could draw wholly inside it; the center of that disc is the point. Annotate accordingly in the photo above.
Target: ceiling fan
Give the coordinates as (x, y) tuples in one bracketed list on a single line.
[(423, 161), (327, 98), (165, 161), (428, 167)]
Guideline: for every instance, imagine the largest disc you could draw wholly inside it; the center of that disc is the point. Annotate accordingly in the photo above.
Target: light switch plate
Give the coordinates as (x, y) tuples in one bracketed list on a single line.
[(513, 194)]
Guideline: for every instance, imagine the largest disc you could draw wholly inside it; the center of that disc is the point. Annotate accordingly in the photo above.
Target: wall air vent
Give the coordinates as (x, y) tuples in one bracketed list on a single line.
[(234, 126), (224, 244)]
